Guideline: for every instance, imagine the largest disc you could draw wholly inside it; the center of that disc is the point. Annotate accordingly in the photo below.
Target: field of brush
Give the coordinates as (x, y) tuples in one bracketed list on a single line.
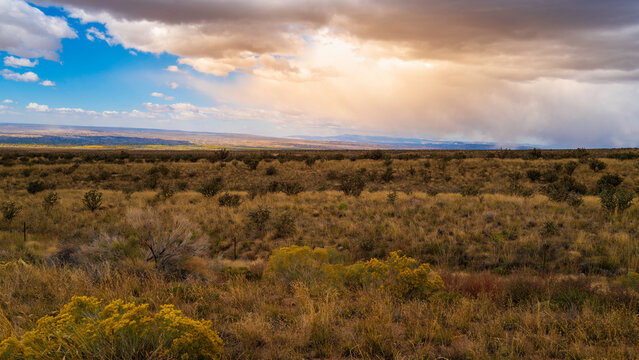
[(327, 254)]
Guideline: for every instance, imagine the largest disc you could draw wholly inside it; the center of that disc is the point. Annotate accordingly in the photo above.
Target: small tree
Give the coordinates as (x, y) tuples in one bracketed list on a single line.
[(10, 210), (50, 200), (92, 200)]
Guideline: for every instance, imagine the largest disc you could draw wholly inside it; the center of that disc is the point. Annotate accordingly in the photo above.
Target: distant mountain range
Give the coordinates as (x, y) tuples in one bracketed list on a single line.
[(412, 143), (80, 136)]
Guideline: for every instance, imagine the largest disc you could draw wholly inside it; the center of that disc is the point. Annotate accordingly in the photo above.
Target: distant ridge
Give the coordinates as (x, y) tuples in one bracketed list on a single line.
[(12, 134), (412, 142)]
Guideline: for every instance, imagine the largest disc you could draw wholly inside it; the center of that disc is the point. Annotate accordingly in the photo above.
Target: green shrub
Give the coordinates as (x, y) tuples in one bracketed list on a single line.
[(352, 184), (84, 329), (287, 187), (597, 165), (211, 187), (285, 226), (92, 200), (230, 200), (533, 174), (271, 170), (609, 181), (388, 175), (258, 219), (10, 210), (565, 189), (470, 190), (50, 200), (570, 167), (36, 186), (615, 200)]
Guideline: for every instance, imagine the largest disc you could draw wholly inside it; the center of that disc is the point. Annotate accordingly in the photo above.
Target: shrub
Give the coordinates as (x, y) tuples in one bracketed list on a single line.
[(10, 210), (251, 163), (230, 200), (565, 189), (391, 197), (166, 191), (258, 219), (211, 187), (167, 239), (597, 165), (570, 167), (388, 175), (92, 200), (400, 276), (285, 226), (549, 176), (470, 190), (533, 174), (352, 184), (50, 200), (84, 329), (35, 187), (299, 263), (609, 181), (310, 161), (271, 170), (616, 199), (287, 187)]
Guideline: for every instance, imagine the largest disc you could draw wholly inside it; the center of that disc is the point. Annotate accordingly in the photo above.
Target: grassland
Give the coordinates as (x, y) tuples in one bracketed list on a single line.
[(534, 265)]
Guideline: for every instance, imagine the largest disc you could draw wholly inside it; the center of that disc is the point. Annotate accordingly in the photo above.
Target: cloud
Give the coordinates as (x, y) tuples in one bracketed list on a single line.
[(47, 83), (37, 107), (26, 31), (174, 85), (93, 33), (19, 62), (555, 72), (162, 96), (8, 101), (24, 77)]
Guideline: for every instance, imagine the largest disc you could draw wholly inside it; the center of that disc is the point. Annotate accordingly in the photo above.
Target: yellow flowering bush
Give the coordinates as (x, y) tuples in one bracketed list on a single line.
[(399, 275), (299, 262), (84, 329)]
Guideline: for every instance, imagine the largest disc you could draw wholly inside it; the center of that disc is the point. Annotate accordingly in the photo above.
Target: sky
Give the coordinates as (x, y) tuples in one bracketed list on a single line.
[(557, 73)]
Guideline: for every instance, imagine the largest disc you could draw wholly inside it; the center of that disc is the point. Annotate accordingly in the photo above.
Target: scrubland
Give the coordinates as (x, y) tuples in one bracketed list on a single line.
[(298, 255)]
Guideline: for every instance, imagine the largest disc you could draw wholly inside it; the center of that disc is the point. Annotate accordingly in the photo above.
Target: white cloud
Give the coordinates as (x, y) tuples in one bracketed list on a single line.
[(173, 68), (25, 77), (162, 96), (47, 83), (26, 31), (37, 107), (19, 62), (8, 101), (93, 33), (174, 85)]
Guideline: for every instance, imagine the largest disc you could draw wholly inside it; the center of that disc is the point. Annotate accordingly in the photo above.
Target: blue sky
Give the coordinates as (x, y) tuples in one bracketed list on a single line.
[(541, 72)]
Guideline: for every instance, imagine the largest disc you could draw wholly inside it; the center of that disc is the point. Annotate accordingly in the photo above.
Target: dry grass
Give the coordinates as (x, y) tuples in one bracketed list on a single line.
[(525, 277)]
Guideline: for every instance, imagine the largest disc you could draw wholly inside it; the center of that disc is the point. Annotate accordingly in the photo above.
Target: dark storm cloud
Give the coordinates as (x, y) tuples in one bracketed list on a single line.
[(547, 35)]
